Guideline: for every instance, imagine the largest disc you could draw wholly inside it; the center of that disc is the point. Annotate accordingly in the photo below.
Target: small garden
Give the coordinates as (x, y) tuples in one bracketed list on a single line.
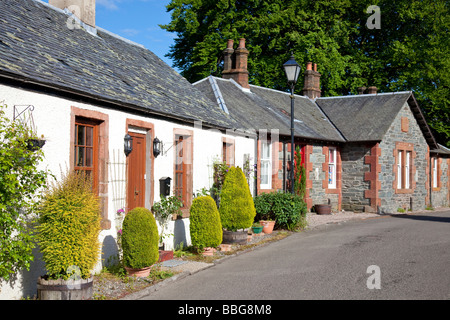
[(63, 219)]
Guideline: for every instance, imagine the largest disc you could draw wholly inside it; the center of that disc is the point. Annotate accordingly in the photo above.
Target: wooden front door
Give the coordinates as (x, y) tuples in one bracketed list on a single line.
[(136, 172)]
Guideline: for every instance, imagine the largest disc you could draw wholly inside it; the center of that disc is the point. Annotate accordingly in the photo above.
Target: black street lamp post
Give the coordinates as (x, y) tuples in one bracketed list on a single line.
[(292, 70)]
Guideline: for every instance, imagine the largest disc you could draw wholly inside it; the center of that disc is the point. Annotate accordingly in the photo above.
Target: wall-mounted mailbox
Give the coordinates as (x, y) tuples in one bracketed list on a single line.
[(164, 186)]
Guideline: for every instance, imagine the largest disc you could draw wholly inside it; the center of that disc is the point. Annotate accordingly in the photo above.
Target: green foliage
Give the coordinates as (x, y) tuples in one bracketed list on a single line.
[(289, 211), (139, 239), (205, 226), (69, 225), (220, 170), (408, 52), (300, 175), (20, 181), (237, 209), (164, 211)]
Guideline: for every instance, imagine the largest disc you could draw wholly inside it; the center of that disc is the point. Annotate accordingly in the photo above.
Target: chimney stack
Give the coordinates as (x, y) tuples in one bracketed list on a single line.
[(311, 86), (372, 90), (83, 9), (361, 90), (235, 63)]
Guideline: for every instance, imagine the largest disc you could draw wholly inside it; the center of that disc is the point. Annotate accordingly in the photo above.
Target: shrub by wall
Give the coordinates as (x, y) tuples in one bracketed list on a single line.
[(237, 209), (289, 211), (205, 225), (69, 225), (140, 239)]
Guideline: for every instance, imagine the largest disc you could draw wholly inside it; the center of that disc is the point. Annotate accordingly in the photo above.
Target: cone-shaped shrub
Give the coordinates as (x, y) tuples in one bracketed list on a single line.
[(69, 225), (237, 209), (205, 226), (139, 239)]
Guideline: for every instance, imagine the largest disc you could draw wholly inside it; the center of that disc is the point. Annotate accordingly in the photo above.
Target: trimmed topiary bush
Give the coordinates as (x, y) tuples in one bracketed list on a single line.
[(69, 225), (205, 225), (139, 239), (237, 209)]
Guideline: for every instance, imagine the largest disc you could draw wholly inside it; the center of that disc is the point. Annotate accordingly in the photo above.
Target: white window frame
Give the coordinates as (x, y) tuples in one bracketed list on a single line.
[(332, 168), (399, 170), (266, 164), (435, 172), (407, 170)]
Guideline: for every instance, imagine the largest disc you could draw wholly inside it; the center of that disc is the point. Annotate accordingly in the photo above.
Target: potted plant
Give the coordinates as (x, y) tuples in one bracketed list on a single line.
[(263, 205), (67, 234), (237, 209), (205, 226), (257, 228), (165, 210), (139, 242)]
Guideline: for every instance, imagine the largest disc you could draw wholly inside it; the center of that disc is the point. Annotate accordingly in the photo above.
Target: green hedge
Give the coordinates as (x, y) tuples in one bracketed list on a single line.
[(237, 209), (139, 239), (205, 225), (289, 211), (69, 225)]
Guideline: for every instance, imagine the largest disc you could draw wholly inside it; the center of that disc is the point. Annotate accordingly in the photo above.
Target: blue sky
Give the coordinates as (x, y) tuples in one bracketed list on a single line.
[(137, 20)]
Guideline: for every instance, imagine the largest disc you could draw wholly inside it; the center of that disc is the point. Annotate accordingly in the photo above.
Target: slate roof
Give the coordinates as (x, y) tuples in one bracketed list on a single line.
[(262, 108), (36, 46), (367, 117)]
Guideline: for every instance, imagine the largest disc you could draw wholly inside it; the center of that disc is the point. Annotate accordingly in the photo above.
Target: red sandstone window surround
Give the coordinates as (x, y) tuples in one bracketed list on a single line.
[(404, 168)]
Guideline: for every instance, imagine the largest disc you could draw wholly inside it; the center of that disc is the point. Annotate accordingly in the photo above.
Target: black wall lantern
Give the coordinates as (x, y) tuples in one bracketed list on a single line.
[(127, 144), (156, 147)]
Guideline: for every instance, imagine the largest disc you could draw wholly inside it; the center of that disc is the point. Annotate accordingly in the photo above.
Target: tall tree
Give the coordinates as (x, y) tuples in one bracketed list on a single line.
[(409, 50)]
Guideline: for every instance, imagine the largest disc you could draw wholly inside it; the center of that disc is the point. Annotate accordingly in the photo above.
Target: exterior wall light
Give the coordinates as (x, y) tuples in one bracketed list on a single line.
[(127, 144), (156, 147)]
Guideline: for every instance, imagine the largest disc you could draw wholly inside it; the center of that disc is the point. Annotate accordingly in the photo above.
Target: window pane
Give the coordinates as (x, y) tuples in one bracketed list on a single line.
[(89, 136), (80, 135), (264, 172), (331, 155), (399, 170), (89, 156), (80, 157), (407, 170)]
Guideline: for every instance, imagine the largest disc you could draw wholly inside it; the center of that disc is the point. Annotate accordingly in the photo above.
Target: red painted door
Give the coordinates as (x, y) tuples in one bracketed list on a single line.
[(136, 172)]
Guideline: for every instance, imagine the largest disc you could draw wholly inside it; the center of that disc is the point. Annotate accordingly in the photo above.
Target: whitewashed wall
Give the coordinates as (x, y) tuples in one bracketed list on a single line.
[(52, 115)]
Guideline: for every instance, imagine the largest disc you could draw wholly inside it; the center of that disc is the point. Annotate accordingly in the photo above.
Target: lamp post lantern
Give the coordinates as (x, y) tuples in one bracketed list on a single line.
[(292, 71)]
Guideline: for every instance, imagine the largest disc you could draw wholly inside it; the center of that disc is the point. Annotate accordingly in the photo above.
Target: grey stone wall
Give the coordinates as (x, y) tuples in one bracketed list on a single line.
[(391, 201), (439, 197), (317, 192), (353, 184)]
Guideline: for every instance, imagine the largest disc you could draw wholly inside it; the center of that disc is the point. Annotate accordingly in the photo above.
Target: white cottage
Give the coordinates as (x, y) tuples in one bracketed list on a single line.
[(89, 89)]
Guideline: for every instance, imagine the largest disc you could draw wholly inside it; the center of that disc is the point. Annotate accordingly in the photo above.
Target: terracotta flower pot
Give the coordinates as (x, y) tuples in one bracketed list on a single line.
[(267, 226), (139, 272), (208, 251)]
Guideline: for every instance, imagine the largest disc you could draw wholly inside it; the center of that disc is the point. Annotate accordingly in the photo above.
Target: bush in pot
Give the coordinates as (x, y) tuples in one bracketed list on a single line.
[(69, 225), (289, 211), (205, 226), (237, 209), (139, 240)]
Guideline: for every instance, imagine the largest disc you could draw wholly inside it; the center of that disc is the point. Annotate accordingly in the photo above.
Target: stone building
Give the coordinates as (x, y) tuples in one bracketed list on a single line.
[(367, 152)]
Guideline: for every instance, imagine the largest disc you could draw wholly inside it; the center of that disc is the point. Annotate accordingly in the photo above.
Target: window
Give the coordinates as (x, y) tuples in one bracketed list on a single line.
[(332, 168), (266, 165), (180, 170), (435, 172), (404, 169), (86, 149), (228, 151)]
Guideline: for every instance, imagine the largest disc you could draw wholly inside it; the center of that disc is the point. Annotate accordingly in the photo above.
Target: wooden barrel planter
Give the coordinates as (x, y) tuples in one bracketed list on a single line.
[(60, 289), (323, 209), (234, 237)]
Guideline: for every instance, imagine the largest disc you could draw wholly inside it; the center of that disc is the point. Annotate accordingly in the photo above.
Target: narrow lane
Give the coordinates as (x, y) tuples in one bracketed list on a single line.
[(411, 253)]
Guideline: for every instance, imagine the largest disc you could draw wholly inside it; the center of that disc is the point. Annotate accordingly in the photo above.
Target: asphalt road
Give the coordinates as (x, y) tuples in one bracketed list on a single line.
[(392, 257)]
